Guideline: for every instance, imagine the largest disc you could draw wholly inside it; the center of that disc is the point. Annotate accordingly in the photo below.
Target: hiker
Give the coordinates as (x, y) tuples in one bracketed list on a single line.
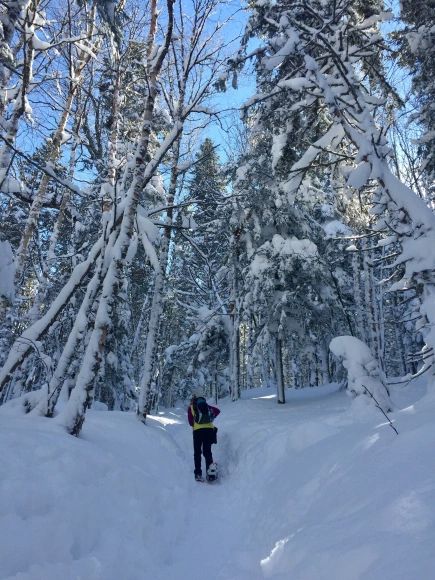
[(201, 416)]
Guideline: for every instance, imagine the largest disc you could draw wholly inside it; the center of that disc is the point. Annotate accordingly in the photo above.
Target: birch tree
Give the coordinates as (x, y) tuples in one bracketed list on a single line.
[(195, 62), (135, 154), (109, 254)]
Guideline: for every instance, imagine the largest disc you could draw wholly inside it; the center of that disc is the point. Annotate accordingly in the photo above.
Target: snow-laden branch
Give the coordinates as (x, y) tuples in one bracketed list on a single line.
[(45, 168), (37, 330), (332, 137)]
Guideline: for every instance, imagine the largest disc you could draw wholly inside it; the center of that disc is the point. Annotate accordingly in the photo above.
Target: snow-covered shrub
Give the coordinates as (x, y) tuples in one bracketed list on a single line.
[(363, 372)]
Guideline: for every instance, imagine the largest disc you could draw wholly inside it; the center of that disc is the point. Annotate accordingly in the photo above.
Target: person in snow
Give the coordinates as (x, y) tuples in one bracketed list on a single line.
[(201, 416)]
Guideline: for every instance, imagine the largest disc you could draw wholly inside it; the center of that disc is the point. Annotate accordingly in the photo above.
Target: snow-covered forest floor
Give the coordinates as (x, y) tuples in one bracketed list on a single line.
[(318, 489)]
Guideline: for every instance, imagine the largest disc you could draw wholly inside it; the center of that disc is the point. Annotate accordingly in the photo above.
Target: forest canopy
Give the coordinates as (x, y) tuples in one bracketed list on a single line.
[(201, 194)]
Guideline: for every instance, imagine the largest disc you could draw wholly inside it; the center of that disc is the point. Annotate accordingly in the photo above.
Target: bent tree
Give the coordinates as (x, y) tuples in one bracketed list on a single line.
[(156, 82), (108, 255)]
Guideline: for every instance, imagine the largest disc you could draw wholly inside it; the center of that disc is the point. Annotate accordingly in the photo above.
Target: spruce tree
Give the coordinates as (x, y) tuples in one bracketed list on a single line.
[(199, 274), (418, 53)]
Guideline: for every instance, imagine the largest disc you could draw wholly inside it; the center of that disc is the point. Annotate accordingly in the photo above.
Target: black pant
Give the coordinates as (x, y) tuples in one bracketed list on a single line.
[(202, 440)]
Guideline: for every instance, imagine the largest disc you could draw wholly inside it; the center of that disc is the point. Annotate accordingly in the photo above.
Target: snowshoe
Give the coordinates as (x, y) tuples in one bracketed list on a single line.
[(212, 472)]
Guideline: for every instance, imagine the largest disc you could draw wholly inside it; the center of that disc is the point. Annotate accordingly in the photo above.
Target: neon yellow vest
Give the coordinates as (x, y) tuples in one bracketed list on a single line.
[(199, 425)]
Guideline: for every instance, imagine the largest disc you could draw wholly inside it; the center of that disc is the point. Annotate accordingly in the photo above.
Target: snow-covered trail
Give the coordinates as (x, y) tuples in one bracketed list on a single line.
[(319, 489), (300, 478), (218, 515)]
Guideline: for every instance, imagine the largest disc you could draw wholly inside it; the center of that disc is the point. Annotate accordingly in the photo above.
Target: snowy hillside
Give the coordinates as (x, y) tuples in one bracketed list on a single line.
[(318, 489)]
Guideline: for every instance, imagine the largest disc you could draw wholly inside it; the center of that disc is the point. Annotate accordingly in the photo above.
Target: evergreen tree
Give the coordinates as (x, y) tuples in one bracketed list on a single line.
[(199, 273), (418, 52), (327, 59), (201, 256)]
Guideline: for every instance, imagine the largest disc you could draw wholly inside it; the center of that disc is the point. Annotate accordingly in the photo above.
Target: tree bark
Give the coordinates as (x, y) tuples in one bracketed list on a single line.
[(146, 394), (279, 371)]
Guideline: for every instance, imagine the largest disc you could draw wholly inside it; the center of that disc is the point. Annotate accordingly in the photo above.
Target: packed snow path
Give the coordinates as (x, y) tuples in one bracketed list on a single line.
[(319, 489)]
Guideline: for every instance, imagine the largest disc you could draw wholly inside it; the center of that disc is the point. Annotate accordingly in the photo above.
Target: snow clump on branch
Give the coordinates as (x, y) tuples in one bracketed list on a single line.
[(363, 372)]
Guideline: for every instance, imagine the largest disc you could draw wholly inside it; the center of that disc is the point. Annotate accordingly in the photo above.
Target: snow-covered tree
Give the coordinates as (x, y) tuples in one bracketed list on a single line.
[(198, 274), (187, 92), (325, 58), (144, 258), (418, 52)]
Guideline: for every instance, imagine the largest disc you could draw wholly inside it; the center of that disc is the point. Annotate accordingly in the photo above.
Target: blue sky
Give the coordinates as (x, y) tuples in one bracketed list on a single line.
[(232, 98)]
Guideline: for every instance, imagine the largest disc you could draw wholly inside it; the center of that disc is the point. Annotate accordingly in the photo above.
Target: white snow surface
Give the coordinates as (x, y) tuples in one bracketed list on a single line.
[(336, 228), (312, 490)]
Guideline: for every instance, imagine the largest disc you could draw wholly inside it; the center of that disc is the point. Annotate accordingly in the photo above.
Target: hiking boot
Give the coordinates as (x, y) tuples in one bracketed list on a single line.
[(199, 478)]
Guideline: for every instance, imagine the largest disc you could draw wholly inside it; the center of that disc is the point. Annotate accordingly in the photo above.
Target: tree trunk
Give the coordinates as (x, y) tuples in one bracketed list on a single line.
[(55, 151), (146, 394), (250, 358), (23, 345), (359, 306), (235, 357), (279, 371), (13, 10)]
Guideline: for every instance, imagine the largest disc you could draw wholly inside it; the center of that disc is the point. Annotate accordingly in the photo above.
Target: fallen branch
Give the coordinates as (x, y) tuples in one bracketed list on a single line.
[(381, 409)]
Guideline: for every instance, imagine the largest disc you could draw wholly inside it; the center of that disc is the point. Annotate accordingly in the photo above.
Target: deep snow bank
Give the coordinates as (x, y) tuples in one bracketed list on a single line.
[(319, 489), (338, 495), (105, 506)]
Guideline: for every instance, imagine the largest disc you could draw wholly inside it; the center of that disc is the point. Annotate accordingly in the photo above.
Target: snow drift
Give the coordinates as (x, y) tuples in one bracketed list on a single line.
[(318, 489)]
